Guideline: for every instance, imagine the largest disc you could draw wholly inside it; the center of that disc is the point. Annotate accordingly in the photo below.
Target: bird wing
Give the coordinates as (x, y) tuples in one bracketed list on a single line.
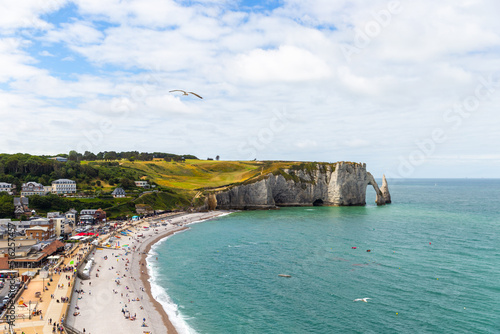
[(176, 90), (195, 95), (357, 300)]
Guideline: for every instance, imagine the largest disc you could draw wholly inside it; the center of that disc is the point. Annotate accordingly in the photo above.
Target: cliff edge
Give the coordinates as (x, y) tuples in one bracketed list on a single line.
[(319, 184)]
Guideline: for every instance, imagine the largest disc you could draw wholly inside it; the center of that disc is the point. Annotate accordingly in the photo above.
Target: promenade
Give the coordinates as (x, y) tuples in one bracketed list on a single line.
[(122, 286)]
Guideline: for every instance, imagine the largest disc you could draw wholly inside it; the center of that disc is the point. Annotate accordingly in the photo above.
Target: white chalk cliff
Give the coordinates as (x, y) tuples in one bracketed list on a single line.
[(338, 184)]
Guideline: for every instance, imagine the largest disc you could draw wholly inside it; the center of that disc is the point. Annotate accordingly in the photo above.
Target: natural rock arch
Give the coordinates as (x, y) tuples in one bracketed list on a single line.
[(383, 196)]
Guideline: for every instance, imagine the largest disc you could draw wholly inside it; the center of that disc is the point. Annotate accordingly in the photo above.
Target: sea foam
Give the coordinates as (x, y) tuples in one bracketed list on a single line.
[(160, 294)]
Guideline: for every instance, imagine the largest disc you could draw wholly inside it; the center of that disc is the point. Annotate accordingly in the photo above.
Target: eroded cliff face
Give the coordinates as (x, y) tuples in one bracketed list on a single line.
[(340, 184)]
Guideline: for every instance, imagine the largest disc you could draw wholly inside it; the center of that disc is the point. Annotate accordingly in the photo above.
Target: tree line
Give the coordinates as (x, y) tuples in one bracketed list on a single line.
[(130, 155)]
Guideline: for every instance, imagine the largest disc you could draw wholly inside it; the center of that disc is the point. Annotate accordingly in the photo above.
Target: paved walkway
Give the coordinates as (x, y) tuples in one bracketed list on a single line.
[(50, 308)]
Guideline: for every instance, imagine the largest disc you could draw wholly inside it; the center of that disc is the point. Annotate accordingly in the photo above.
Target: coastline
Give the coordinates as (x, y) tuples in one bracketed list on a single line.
[(147, 284), (122, 289), (148, 244)]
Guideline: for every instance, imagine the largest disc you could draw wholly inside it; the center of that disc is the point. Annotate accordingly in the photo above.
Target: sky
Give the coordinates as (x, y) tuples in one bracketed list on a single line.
[(411, 88)]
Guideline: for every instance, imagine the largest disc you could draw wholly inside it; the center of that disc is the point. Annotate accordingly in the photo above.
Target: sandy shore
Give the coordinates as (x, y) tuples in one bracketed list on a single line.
[(122, 289)]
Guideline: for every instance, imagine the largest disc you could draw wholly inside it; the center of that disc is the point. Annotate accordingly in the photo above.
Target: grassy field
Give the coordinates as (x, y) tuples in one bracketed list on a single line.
[(195, 174)]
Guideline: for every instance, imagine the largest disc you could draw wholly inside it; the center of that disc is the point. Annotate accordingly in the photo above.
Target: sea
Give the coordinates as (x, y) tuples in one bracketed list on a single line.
[(429, 263)]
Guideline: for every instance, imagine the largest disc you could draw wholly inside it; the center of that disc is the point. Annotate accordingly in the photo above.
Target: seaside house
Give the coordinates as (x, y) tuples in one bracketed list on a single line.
[(59, 223), (87, 212), (21, 207), (7, 187), (53, 214), (119, 193), (142, 184), (43, 222), (63, 186), (71, 215), (38, 232), (86, 219), (32, 188), (100, 215), (92, 216)]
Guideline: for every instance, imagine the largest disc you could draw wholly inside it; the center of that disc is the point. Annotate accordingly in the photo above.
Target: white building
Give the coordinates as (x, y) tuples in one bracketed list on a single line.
[(63, 186), (88, 212), (7, 187), (71, 215), (32, 188), (142, 184), (59, 224), (119, 193), (53, 214), (60, 159)]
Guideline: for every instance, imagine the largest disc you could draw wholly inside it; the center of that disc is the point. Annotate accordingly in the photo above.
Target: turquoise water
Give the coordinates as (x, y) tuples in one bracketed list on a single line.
[(434, 266)]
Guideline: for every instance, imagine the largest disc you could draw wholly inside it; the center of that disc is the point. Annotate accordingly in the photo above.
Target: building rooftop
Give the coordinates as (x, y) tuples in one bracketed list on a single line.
[(63, 181), (38, 228), (118, 191), (35, 184), (21, 201), (53, 247)]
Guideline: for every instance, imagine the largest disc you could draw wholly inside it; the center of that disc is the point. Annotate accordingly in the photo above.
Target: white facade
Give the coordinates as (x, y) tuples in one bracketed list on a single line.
[(59, 225), (142, 184), (71, 216), (119, 193), (32, 188), (7, 187), (63, 186), (88, 212)]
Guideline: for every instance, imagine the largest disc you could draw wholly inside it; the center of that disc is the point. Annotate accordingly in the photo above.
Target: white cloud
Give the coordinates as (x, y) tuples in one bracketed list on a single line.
[(74, 33), (285, 64), (306, 144), (26, 13), (45, 53), (248, 65), (16, 63)]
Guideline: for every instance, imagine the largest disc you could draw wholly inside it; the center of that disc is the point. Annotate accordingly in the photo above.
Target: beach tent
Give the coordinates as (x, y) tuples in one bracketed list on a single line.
[(87, 234)]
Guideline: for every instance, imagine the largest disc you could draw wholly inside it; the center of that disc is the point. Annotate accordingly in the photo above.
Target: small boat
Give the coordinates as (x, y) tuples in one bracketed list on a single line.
[(284, 275)]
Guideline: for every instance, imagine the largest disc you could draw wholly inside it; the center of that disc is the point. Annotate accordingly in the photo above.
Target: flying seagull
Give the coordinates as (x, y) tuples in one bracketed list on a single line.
[(361, 300), (185, 93)]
